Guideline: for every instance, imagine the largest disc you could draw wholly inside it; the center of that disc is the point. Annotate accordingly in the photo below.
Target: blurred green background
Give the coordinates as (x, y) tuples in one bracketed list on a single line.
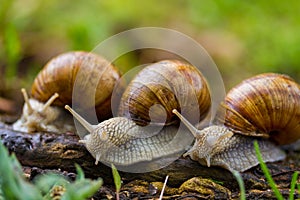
[(243, 37)]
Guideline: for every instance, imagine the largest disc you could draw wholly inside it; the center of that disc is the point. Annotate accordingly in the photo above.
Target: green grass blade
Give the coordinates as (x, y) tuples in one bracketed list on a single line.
[(266, 172), (80, 173), (240, 181), (117, 178), (293, 185)]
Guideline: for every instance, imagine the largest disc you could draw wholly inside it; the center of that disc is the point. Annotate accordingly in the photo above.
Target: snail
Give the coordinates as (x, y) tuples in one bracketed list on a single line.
[(53, 87), (145, 128), (265, 108), (38, 116)]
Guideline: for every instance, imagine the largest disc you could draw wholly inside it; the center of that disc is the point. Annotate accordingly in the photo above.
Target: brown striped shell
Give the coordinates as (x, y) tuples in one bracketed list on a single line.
[(150, 98), (60, 73), (265, 105), (161, 87)]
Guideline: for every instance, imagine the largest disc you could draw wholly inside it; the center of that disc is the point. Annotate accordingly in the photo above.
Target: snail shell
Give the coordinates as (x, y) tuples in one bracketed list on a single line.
[(122, 141), (266, 105), (264, 108), (58, 77), (170, 84), (61, 72)]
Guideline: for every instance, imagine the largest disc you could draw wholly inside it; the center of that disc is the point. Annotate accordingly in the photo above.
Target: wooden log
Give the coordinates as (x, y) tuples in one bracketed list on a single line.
[(46, 150), (62, 151)]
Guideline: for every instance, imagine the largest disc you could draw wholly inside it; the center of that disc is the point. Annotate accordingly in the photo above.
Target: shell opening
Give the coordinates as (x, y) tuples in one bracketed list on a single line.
[(50, 101), (83, 122), (192, 128), (26, 99)]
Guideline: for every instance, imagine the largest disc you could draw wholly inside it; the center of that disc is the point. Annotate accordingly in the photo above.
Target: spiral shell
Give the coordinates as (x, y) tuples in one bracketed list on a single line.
[(60, 73), (150, 98), (266, 105), (161, 87)]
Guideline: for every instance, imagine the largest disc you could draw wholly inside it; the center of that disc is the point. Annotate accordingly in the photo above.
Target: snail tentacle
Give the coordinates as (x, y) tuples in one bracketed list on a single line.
[(26, 99), (83, 122), (49, 102)]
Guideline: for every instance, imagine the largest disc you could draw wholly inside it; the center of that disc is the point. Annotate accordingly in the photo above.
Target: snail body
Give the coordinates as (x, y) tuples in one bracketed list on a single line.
[(264, 108), (58, 77), (137, 135), (121, 141), (38, 116), (217, 145)]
